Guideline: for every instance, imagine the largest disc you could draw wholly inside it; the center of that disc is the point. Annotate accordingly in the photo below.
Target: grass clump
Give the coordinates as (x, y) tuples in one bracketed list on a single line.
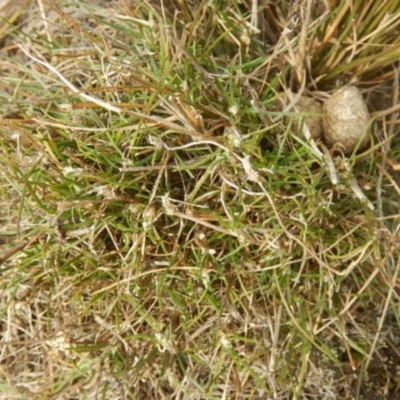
[(167, 231)]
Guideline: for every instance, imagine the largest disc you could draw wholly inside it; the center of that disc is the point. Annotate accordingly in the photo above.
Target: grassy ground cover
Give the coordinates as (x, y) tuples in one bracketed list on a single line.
[(167, 230)]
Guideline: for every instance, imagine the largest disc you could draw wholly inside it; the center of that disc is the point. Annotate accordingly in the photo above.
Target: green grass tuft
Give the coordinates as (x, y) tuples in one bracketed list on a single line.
[(167, 231)]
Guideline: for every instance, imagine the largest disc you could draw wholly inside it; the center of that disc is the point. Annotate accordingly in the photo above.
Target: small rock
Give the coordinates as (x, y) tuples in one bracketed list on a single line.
[(345, 121), (309, 105)]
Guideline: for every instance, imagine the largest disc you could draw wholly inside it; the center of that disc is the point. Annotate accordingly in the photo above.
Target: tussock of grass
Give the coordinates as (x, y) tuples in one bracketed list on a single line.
[(167, 231)]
